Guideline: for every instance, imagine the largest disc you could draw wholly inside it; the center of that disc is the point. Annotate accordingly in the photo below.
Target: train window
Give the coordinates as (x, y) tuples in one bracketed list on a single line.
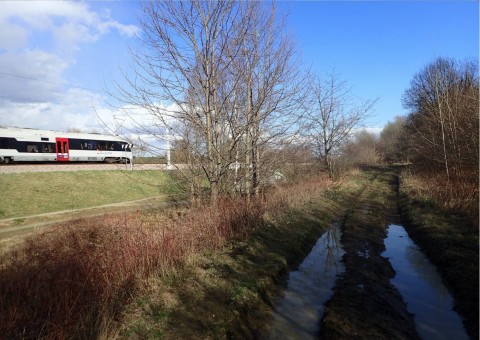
[(8, 143), (102, 145), (76, 144), (48, 147), (32, 148), (85, 145)]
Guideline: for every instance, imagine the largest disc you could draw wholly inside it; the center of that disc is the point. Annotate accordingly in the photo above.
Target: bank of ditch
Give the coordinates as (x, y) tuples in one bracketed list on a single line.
[(451, 242), (228, 293), (176, 273)]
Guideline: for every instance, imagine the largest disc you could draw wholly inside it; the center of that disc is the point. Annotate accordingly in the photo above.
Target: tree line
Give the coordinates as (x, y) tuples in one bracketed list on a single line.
[(440, 134), (224, 80), (223, 83)]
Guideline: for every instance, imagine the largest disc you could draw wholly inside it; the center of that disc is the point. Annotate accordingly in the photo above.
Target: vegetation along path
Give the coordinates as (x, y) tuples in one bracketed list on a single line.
[(230, 294), (229, 291)]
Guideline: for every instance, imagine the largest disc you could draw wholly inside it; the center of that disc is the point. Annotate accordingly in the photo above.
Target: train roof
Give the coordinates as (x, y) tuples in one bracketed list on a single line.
[(12, 131)]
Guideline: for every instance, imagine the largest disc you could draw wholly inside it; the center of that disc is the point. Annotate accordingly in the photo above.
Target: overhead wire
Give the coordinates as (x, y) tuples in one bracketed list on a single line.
[(48, 81)]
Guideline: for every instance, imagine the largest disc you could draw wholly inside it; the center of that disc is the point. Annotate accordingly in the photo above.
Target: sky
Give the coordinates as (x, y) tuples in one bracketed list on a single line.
[(58, 58)]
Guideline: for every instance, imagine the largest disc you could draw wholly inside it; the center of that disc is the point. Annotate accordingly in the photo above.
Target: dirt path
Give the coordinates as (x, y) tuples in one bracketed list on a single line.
[(11, 227), (365, 305)]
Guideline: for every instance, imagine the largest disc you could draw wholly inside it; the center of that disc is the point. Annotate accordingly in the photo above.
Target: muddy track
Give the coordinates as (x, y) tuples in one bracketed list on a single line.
[(365, 305)]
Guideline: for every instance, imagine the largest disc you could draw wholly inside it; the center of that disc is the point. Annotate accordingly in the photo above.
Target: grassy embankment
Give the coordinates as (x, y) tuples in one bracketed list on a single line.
[(206, 272), (26, 194), (228, 293), (450, 240)]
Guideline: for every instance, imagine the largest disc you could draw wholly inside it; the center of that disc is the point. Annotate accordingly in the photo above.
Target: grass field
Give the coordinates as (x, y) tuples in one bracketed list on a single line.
[(25, 194)]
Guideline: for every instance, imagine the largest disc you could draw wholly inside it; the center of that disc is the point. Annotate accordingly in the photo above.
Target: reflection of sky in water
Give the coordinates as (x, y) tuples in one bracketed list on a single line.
[(298, 313), (422, 289)]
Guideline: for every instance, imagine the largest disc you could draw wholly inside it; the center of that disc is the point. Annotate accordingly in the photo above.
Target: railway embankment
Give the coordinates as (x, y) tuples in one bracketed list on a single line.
[(34, 193), (215, 273), (69, 167)]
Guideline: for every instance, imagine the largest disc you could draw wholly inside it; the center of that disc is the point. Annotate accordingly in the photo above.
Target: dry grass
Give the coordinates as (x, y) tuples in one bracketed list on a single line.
[(74, 279), (458, 196)]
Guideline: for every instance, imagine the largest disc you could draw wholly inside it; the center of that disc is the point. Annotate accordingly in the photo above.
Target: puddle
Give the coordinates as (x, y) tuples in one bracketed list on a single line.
[(298, 313), (421, 288)]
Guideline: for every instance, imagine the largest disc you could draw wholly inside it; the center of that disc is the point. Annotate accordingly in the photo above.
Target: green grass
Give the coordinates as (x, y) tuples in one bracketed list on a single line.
[(25, 194), (150, 160), (226, 293)]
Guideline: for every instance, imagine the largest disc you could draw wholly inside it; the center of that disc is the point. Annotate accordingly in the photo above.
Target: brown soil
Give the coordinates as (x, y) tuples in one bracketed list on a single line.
[(365, 305)]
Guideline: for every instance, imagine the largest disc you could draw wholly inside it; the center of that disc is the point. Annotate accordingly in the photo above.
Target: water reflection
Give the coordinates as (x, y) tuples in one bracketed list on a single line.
[(298, 313), (422, 289)]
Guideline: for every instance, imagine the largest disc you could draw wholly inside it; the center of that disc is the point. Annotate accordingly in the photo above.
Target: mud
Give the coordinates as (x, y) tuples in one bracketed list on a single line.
[(365, 305), (451, 244)]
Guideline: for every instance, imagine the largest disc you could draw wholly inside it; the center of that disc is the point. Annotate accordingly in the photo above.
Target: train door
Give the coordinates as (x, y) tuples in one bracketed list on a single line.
[(62, 149)]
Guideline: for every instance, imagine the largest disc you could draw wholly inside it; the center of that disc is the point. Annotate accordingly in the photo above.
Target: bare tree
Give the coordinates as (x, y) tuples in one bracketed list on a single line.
[(332, 117), (215, 74), (443, 123), (362, 149), (274, 92), (393, 142)]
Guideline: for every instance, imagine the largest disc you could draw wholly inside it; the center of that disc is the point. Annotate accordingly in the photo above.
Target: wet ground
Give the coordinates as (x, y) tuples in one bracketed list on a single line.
[(422, 288), (309, 287), (235, 293), (365, 304), (386, 288)]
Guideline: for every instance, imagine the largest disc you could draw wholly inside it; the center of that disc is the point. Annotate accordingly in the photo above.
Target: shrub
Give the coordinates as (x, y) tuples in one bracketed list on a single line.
[(73, 279)]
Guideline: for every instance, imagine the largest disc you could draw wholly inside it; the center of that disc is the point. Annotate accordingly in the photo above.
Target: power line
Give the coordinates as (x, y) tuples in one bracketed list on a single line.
[(38, 101), (47, 81)]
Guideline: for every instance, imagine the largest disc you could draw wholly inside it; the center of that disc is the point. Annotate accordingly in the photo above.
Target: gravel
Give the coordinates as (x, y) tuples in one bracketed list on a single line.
[(16, 168)]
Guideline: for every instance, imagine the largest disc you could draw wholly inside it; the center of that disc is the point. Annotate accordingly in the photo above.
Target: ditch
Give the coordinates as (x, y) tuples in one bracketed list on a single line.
[(301, 279), (379, 285)]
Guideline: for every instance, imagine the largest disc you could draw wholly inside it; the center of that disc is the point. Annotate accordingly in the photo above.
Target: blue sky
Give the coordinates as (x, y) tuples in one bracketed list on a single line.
[(378, 46), (56, 57)]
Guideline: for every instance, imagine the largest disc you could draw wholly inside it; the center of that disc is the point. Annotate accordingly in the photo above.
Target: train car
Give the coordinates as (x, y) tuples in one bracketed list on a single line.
[(32, 145)]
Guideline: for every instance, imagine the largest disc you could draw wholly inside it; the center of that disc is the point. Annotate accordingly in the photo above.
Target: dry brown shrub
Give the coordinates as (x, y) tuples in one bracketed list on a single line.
[(454, 196), (71, 280)]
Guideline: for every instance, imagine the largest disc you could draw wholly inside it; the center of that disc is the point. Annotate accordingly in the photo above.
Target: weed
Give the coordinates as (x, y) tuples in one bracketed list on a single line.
[(74, 279), (456, 196), (18, 221)]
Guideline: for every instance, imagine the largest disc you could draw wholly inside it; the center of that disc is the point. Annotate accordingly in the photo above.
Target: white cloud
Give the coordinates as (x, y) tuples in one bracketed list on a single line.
[(38, 45), (69, 23), (19, 71), (74, 108)]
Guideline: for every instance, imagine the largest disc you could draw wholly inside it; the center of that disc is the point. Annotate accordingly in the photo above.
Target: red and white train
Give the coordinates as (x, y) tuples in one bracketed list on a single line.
[(32, 145)]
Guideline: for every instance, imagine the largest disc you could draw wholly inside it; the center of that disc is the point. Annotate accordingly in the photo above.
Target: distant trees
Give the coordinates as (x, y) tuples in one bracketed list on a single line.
[(221, 77), (444, 121), (393, 142), (440, 135), (332, 115), (362, 149)]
